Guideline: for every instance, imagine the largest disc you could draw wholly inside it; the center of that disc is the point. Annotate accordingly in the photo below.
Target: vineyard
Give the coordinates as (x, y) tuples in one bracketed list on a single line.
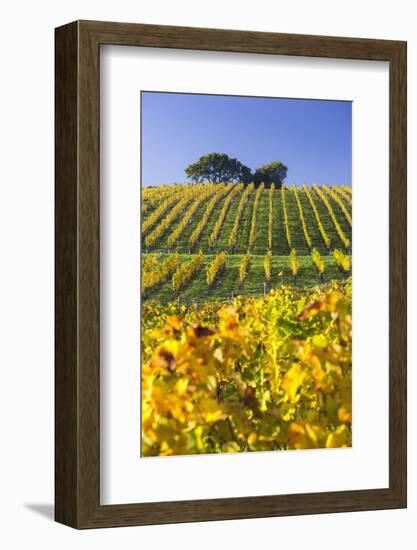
[(259, 374), (205, 242), (246, 318)]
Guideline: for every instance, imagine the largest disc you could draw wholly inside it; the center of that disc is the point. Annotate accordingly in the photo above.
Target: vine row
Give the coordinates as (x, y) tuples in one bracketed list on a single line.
[(302, 219), (330, 210), (323, 233), (252, 235), (240, 208), (186, 271)]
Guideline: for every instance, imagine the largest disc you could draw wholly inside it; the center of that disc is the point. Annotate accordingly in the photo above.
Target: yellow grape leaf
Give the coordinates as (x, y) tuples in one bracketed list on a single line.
[(341, 437), (320, 341), (181, 386), (231, 447), (293, 379), (211, 410), (344, 415)]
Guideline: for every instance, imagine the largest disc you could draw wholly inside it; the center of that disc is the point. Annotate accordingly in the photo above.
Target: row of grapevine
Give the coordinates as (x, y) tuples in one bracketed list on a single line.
[(252, 235), (150, 262), (155, 274), (157, 214), (216, 267), (166, 222), (240, 208), (214, 235), (323, 233), (342, 260), (195, 235), (318, 261), (157, 192), (152, 196), (285, 216), (180, 228), (271, 215), (187, 270), (301, 216), (294, 263), (343, 193), (192, 206), (330, 210), (244, 267), (268, 265), (339, 202)]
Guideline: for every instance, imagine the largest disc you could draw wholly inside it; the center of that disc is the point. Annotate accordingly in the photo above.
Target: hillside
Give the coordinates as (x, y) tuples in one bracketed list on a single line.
[(236, 219)]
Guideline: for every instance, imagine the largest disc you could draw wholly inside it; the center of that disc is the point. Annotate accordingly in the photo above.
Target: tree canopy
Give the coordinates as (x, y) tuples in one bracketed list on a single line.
[(273, 172), (219, 167)]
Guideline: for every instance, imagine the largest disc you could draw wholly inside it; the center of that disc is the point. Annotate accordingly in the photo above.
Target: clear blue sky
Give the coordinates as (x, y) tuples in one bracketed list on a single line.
[(312, 137)]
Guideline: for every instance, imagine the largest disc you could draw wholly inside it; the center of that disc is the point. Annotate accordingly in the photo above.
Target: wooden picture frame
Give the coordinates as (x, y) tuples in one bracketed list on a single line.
[(77, 405)]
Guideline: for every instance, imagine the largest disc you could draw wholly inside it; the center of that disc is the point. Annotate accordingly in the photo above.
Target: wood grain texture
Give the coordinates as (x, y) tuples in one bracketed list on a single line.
[(66, 236), (78, 284)]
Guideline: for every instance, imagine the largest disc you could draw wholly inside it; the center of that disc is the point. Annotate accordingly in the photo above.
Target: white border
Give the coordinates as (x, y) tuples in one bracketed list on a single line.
[(124, 476)]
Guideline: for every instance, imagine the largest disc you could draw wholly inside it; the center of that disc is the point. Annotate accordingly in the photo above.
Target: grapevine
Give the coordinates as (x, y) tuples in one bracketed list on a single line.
[(157, 214), (252, 235), (268, 265), (216, 267), (154, 277), (336, 224), (339, 202), (342, 260), (294, 263), (150, 262), (180, 228), (195, 235), (302, 219), (271, 215), (153, 196), (324, 235), (229, 378), (240, 208), (284, 210), (342, 192), (225, 208), (164, 224), (186, 271), (244, 267), (318, 262)]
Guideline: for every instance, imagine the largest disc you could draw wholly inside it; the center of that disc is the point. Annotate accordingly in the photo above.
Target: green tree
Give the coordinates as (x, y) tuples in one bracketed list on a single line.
[(218, 167), (273, 172)]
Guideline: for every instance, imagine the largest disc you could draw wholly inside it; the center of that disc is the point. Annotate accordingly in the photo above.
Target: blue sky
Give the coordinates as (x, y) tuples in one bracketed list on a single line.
[(312, 137)]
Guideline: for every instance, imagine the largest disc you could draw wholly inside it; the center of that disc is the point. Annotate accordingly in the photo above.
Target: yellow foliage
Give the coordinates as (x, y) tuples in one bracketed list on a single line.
[(261, 373)]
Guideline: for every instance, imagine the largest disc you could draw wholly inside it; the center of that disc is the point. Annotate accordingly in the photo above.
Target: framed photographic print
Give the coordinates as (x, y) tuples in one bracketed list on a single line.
[(230, 274)]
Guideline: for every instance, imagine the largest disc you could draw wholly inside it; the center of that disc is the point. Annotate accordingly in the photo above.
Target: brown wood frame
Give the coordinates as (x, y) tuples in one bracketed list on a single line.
[(77, 472)]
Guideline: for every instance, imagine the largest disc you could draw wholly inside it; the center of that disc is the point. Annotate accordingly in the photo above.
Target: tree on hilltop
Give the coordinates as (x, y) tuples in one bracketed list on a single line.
[(273, 172), (218, 168)]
